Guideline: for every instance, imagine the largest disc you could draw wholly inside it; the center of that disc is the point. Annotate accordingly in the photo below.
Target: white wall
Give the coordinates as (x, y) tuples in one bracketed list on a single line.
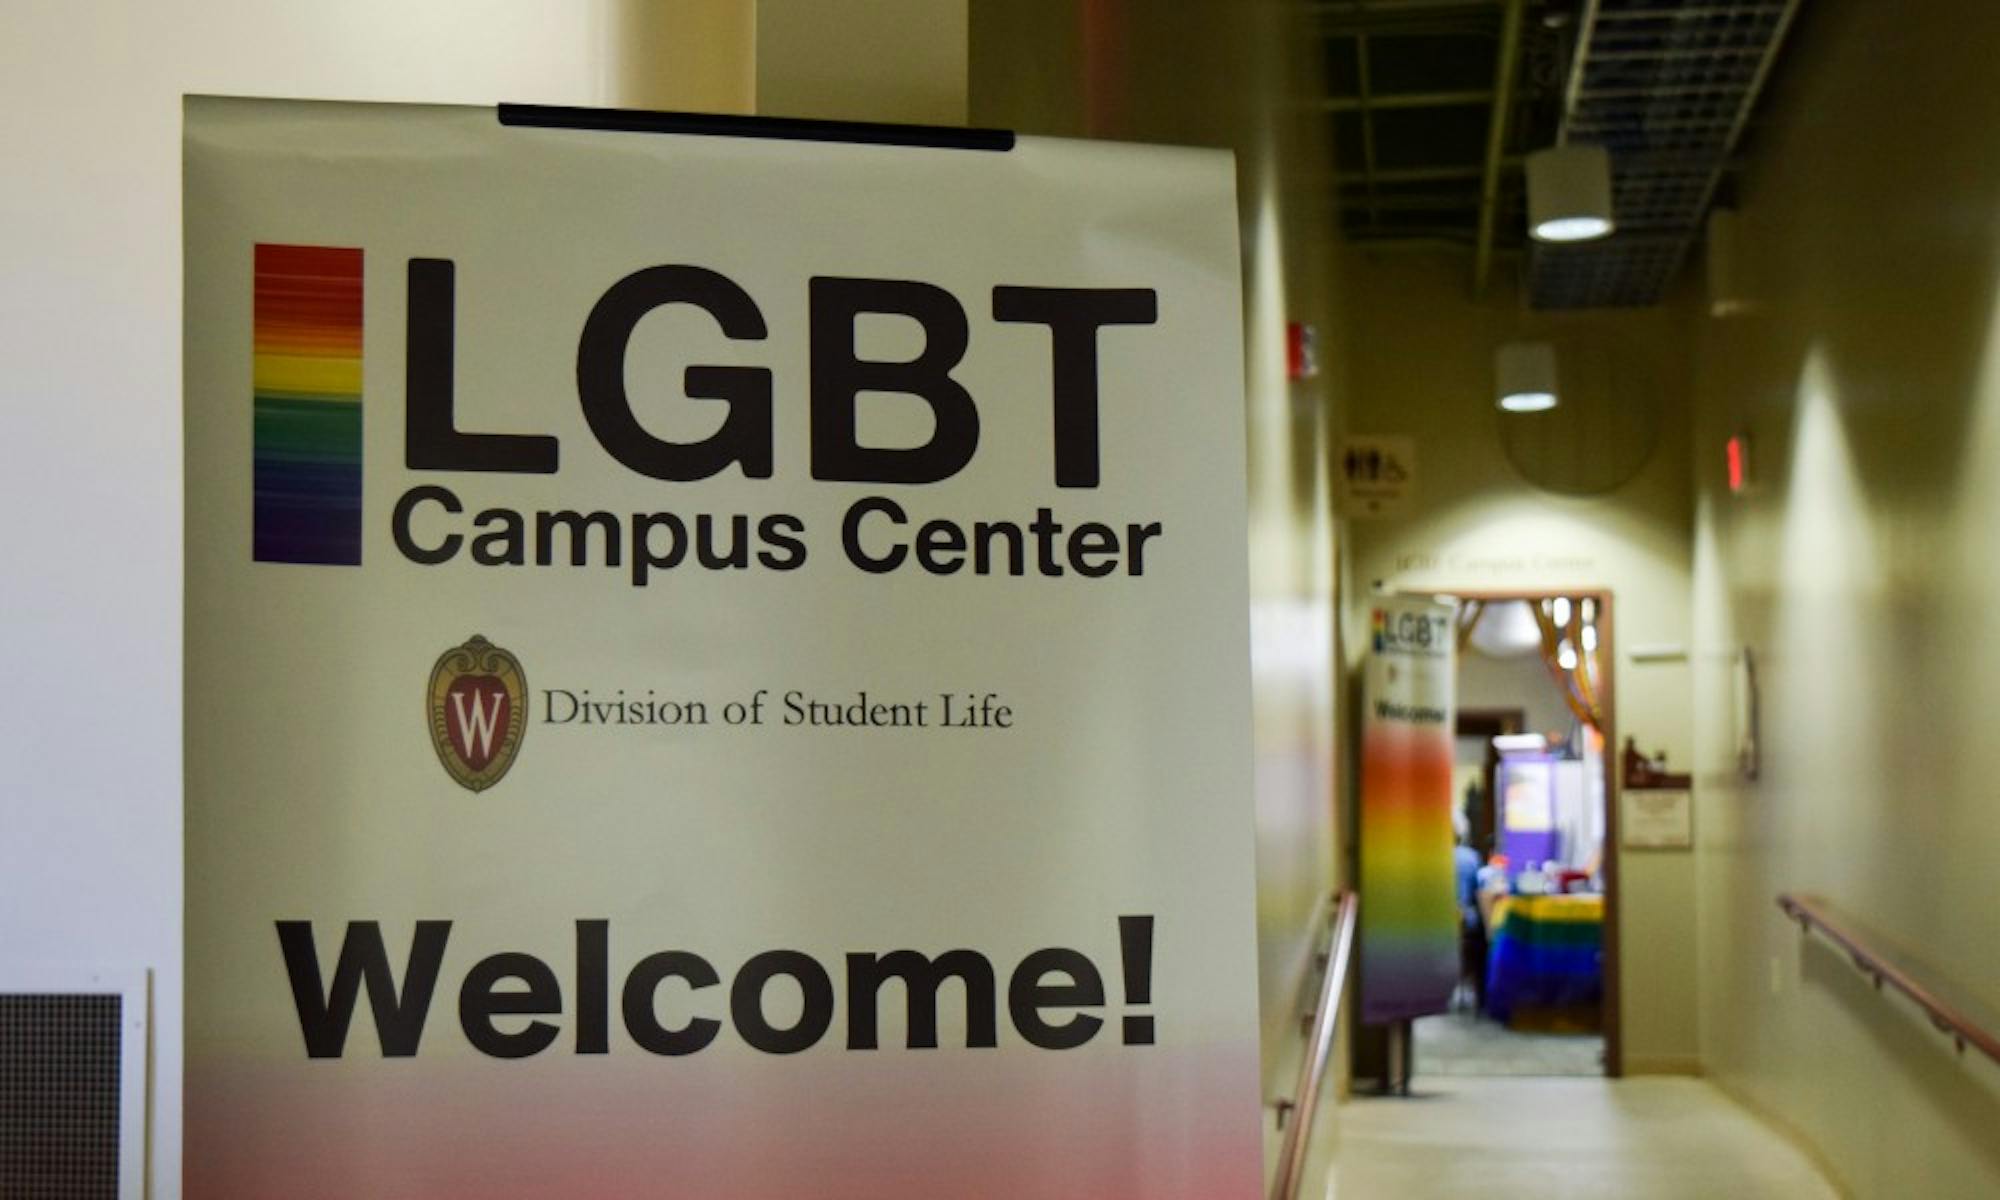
[(90, 710), (1861, 569)]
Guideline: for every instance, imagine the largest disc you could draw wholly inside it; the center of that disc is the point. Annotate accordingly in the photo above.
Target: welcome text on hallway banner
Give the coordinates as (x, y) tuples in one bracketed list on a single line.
[(716, 666)]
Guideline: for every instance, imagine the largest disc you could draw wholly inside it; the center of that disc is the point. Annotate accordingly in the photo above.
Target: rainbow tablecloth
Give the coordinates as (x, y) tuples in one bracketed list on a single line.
[(1544, 966)]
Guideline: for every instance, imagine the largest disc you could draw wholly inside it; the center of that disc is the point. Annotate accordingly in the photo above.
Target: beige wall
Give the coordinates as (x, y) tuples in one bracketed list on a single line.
[(1217, 72), (1521, 681), (1862, 571), (1422, 365), (685, 55), (862, 60)]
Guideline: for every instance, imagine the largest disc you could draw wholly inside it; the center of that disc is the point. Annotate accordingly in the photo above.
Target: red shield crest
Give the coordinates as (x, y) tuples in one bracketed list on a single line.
[(478, 712)]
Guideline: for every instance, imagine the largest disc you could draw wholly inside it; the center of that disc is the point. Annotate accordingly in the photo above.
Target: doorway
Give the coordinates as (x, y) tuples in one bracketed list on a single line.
[(1534, 812)]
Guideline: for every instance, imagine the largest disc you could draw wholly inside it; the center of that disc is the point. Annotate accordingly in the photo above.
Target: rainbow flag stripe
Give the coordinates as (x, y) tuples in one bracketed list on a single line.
[(306, 485), (1409, 944)]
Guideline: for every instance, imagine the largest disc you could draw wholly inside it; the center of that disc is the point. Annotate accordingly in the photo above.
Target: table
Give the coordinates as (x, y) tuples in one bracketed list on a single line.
[(1544, 965)]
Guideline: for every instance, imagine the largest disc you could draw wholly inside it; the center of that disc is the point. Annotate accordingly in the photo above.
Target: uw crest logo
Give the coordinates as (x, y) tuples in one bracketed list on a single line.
[(478, 708)]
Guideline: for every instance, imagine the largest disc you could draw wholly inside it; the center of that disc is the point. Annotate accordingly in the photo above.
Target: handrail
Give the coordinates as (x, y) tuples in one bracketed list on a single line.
[(1312, 1071), (1813, 915)]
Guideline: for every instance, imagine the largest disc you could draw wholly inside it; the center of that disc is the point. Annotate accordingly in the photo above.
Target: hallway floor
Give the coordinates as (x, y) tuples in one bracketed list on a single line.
[(1465, 1043), (1650, 1138)]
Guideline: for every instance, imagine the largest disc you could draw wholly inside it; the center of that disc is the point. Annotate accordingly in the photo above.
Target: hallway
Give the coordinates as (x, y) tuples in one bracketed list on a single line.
[(1216, 400), (1654, 1138)]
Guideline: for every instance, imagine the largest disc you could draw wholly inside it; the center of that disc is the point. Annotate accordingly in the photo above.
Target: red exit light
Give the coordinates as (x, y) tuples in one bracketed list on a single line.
[(1739, 463)]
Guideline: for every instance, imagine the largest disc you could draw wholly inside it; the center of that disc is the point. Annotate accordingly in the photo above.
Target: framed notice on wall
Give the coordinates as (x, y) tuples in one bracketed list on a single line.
[(1656, 818), (716, 661)]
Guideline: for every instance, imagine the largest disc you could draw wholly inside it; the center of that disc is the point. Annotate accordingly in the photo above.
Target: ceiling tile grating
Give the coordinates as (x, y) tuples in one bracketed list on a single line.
[(1667, 88)]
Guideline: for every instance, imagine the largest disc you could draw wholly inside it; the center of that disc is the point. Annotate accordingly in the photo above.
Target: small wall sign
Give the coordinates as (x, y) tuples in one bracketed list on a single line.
[(1657, 818), (1377, 474)]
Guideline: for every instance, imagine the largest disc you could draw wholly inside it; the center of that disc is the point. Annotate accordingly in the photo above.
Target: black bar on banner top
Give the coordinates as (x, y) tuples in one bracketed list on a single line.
[(941, 137)]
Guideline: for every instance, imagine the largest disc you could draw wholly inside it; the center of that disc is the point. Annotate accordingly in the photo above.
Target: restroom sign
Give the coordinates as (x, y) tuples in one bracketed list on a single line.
[(716, 661), (1377, 474)]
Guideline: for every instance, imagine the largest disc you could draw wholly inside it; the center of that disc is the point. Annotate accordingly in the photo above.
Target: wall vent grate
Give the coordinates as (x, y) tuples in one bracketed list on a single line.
[(62, 1095)]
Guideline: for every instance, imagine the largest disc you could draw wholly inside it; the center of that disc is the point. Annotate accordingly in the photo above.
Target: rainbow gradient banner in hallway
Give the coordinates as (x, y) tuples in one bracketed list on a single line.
[(1409, 907), (759, 707)]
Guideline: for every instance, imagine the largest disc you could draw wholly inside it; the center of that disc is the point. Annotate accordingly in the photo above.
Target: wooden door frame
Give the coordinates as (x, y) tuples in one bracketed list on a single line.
[(1614, 1042)]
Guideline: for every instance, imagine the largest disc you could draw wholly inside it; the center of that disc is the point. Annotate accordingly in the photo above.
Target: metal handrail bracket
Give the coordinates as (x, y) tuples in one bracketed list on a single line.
[(1814, 916)]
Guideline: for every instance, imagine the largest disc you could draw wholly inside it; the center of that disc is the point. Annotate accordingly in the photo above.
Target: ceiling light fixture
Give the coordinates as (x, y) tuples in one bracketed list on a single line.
[(1569, 193), (1525, 376)]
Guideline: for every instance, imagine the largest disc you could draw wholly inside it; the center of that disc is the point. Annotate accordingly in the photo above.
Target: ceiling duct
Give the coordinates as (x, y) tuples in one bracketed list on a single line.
[(1666, 86)]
